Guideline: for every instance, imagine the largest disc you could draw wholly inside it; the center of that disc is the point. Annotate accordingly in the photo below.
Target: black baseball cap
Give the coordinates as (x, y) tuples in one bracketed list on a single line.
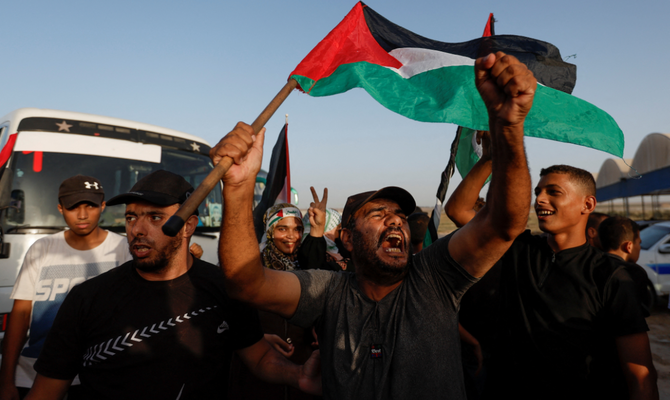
[(160, 187), (399, 195), (80, 188)]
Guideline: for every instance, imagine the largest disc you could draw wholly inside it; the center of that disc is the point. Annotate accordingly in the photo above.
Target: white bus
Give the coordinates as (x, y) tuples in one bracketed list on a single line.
[(41, 148)]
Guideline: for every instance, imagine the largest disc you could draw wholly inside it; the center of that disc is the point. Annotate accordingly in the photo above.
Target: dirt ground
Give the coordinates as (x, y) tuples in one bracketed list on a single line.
[(659, 338)]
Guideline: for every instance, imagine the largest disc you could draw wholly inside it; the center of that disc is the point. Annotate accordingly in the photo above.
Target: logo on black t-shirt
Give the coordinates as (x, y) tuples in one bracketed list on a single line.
[(103, 351), (376, 351), (223, 327)]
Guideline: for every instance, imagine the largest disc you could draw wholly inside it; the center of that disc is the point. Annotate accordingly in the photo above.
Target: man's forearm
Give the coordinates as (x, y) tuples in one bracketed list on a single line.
[(275, 368), (509, 195), (460, 206), (238, 247), (269, 365), (278, 369)]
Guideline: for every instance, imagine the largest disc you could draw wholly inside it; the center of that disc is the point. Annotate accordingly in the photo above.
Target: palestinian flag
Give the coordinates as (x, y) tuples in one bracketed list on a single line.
[(278, 181), (432, 81)]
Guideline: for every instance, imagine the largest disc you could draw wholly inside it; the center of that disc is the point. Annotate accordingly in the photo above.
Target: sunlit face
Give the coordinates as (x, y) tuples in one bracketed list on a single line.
[(150, 247), (381, 238), (287, 235), (559, 204), (83, 217)]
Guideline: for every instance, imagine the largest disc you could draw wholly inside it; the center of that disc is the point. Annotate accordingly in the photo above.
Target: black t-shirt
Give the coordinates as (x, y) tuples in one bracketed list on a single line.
[(552, 311), (639, 276), (606, 377), (135, 339)]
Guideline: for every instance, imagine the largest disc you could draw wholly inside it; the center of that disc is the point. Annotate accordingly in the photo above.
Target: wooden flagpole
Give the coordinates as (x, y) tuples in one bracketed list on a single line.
[(176, 222)]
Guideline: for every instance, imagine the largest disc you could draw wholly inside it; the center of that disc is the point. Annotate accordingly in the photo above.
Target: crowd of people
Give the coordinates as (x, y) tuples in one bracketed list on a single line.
[(341, 306)]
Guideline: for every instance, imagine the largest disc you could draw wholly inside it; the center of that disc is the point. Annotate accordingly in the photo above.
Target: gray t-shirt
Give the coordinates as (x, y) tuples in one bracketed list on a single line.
[(405, 346)]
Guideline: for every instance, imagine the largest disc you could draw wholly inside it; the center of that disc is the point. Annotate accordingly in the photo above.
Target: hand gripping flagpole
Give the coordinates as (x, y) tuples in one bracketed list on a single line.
[(176, 222)]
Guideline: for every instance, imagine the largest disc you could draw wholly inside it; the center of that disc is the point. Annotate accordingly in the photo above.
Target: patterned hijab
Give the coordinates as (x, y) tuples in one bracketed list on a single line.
[(272, 257)]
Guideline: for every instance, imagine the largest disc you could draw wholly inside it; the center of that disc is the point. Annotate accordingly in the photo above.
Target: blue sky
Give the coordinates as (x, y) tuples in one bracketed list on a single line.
[(201, 66)]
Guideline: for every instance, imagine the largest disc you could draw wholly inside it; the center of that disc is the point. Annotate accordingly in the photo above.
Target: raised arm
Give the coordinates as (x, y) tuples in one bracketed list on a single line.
[(312, 251), (460, 206), (507, 88), (239, 256)]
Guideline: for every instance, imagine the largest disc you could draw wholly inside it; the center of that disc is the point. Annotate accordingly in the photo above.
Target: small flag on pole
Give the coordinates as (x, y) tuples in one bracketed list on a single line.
[(489, 29), (278, 183)]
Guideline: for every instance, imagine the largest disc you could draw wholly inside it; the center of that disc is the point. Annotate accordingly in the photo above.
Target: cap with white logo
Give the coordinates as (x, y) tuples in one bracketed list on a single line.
[(80, 188)]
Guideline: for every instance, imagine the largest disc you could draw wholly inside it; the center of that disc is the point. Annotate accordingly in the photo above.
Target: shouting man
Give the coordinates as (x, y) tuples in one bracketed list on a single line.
[(390, 329)]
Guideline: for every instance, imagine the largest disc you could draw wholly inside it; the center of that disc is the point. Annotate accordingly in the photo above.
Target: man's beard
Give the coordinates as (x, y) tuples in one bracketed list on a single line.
[(162, 258), (371, 266)]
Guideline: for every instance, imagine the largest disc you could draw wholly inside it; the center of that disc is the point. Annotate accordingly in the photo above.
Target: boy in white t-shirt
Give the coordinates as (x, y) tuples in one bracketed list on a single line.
[(52, 266)]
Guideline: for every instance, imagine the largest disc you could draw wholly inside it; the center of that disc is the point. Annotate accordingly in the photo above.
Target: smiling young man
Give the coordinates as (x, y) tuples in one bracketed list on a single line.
[(52, 266), (548, 305), (160, 326), (391, 329)]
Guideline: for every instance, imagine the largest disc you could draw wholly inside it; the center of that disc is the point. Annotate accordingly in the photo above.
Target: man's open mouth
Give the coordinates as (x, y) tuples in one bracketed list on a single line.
[(393, 243), (140, 249)]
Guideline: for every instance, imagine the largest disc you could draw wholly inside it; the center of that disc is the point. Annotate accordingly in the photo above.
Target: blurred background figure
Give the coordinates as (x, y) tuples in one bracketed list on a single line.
[(595, 218), (619, 237), (418, 225)]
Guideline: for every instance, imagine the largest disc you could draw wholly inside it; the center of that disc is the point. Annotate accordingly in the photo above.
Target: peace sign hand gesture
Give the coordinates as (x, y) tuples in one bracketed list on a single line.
[(317, 213)]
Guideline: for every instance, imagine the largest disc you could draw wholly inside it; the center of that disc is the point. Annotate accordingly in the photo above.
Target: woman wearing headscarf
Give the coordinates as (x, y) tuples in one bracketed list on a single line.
[(279, 251), (283, 235)]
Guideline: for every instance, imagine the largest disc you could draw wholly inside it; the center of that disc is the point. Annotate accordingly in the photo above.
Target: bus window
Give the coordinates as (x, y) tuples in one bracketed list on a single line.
[(35, 190)]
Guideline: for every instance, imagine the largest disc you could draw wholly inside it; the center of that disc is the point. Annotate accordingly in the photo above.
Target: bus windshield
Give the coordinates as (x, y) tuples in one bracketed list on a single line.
[(36, 176)]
